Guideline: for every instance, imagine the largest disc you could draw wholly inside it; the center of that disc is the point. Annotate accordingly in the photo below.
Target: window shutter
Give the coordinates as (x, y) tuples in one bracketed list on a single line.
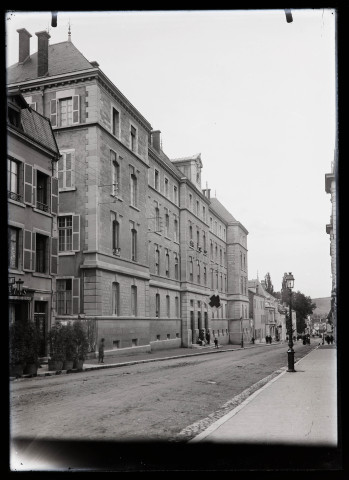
[(54, 255), (34, 187), (54, 195), (76, 109), (53, 116), (76, 233), (33, 251), (28, 183), (76, 296), (27, 250), (61, 163)]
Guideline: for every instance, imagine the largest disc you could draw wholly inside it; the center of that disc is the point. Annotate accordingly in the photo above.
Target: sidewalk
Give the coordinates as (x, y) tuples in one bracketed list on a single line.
[(295, 408)]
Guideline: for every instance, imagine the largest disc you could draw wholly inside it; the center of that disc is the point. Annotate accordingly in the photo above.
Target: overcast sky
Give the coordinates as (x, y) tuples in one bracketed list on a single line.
[(255, 95)]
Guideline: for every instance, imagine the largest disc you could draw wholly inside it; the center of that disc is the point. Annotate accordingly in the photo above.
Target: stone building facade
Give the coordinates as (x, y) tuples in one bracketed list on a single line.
[(331, 230), (141, 245), (32, 196)]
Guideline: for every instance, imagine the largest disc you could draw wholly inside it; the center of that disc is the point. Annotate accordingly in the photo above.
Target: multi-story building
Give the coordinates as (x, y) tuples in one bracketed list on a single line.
[(32, 187), (331, 229), (141, 245)]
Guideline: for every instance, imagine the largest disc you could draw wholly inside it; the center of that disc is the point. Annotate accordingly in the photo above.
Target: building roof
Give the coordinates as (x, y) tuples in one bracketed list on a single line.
[(63, 58), (183, 159), (221, 210), (36, 126)]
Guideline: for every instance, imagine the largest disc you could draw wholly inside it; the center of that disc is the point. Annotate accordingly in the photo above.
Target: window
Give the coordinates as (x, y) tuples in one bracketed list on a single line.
[(217, 280), (197, 238), (65, 233), (220, 256), (115, 174), (64, 297), (167, 263), (204, 213), (216, 253), (68, 111), (197, 208), (211, 278), (157, 260), (133, 138), (133, 242), (167, 223), (116, 299), (204, 242), (191, 269), (175, 230), (225, 283), (177, 306), (166, 187), (241, 286), (14, 116), (115, 122), (205, 276), (190, 201), (190, 232), (157, 305), (168, 312), (133, 187), (211, 249), (66, 170), (41, 253), (176, 267), (42, 199), (156, 180), (115, 228), (199, 273), (157, 220), (134, 300), (211, 223), (175, 194), (13, 180), (13, 247), (221, 282), (241, 260)]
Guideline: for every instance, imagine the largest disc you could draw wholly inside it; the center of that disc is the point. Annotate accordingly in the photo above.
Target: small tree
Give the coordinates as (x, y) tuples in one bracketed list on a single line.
[(81, 340), (31, 343), (17, 346), (56, 342)]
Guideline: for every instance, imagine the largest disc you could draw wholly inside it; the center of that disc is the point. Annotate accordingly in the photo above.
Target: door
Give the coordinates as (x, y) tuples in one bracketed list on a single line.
[(40, 318)]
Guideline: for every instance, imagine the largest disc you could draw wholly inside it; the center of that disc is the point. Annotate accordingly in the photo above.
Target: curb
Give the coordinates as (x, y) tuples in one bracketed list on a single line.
[(52, 373)]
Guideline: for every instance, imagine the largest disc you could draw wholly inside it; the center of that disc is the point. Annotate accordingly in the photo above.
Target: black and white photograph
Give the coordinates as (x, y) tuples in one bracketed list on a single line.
[(172, 232)]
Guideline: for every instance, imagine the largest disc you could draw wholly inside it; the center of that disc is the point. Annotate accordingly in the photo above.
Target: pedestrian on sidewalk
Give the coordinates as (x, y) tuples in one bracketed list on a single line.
[(101, 351), (208, 337), (216, 342)]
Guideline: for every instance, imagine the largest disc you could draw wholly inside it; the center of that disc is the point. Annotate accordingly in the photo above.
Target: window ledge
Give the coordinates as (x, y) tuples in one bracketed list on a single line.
[(135, 208), (14, 270), (20, 204), (42, 275), (42, 212), (67, 189), (116, 197), (66, 254)]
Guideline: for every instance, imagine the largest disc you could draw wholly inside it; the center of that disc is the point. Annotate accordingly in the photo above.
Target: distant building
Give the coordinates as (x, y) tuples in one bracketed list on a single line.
[(32, 192), (331, 229), (142, 246)]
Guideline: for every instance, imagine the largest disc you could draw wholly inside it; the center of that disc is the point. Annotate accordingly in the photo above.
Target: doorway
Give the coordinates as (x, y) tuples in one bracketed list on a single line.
[(40, 318)]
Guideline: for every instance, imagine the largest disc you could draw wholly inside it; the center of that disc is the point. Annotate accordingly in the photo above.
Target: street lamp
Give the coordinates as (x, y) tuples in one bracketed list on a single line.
[(290, 351)]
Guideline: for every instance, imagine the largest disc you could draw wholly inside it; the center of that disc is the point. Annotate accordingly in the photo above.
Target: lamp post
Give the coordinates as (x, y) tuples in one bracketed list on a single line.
[(290, 351)]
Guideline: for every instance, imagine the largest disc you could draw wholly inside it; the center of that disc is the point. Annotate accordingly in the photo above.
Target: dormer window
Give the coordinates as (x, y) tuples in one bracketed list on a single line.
[(14, 116)]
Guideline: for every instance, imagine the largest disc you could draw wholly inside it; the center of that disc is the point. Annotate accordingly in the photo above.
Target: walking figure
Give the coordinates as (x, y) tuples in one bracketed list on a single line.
[(208, 337), (101, 351), (216, 342)]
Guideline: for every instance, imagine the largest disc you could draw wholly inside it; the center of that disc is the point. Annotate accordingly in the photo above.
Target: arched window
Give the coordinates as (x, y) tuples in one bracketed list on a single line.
[(134, 244), (115, 235), (133, 187), (157, 219)]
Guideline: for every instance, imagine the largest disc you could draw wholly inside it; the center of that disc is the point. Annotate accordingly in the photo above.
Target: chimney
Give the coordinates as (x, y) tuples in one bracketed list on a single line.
[(43, 37), (24, 45), (155, 135)]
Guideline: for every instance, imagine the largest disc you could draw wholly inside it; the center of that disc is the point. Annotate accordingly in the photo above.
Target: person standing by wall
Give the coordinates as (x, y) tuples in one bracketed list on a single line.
[(101, 351)]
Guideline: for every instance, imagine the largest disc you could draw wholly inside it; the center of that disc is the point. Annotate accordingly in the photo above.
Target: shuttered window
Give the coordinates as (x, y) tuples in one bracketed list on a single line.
[(66, 170)]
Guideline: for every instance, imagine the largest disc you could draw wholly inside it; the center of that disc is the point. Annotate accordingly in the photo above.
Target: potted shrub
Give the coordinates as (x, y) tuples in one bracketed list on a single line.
[(56, 343), (17, 353), (31, 348), (82, 344), (69, 346)]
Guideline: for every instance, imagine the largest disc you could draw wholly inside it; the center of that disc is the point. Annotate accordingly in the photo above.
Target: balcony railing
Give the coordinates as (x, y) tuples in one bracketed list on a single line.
[(15, 196), (42, 206)]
